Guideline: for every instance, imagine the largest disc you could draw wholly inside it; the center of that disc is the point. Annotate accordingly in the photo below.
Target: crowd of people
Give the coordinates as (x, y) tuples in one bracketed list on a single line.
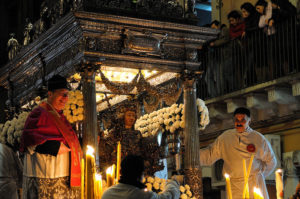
[(259, 45)]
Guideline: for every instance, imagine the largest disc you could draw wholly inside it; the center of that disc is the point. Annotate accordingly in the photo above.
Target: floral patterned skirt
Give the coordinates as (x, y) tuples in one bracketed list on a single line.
[(49, 188)]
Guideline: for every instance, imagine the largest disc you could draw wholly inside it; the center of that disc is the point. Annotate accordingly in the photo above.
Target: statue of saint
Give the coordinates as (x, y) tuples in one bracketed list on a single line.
[(132, 143), (13, 46), (27, 33)]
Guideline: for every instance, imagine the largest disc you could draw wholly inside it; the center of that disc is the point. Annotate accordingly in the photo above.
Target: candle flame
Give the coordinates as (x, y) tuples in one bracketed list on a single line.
[(226, 175), (279, 171), (98, 177), (110, 170), (145, 189), (258, 191), (90, 150)]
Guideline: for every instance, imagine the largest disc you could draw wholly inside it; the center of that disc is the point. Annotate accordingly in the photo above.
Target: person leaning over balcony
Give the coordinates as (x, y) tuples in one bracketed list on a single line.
[(130, 185), (51, 147), (237, 26), (222, 49), (265, 10), (237, 144), (251, 18)]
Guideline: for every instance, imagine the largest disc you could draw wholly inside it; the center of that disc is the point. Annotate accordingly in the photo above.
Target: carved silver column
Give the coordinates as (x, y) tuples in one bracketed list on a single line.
[(90, 131), (192, 170)]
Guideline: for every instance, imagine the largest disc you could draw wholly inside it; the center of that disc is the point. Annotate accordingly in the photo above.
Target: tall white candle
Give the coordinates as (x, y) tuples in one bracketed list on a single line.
[(279, 183), (228, 186)]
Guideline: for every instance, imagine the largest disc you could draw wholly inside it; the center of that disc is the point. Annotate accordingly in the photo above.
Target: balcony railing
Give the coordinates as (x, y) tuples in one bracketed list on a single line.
[(264, 55)]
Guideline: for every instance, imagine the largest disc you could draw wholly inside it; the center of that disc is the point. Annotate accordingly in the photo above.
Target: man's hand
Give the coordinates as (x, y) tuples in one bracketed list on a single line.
[(63, 149)]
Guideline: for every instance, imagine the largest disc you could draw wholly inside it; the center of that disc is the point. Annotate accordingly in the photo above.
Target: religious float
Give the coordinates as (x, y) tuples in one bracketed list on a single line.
[(115, 53)]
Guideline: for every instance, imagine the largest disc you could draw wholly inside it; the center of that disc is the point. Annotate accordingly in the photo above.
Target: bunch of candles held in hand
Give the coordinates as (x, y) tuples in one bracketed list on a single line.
[(257, 194), (91, 181)]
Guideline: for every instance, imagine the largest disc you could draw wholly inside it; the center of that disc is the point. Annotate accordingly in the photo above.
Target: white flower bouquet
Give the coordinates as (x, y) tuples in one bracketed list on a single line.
[(74, 108), (170, 119), (12, 130), (157, 185)]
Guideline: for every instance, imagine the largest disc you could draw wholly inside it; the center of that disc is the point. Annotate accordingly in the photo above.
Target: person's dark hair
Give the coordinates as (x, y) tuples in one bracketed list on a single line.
[(234, 14), (57, 82), (261, 3), (248, 7), (132, 167), (216, 22), (223, 26), (242, 110)]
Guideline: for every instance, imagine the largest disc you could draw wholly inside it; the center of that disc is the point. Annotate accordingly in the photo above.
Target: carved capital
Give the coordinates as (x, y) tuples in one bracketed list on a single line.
[(193, 177), (189, 79)]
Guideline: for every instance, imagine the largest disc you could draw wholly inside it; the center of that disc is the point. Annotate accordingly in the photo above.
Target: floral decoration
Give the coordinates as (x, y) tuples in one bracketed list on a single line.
[(170, 119), (11, 130), (157, 185), (74, 108)]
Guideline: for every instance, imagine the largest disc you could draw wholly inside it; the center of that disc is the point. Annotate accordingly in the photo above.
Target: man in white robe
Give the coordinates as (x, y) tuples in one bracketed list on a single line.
[(237, 144), (10, 173)]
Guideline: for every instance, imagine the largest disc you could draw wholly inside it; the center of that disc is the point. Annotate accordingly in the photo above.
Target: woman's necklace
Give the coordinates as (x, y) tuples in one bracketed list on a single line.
[(54, 110)]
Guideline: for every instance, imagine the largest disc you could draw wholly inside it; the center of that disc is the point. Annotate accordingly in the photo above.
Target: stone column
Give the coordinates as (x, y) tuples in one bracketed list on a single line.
[(3, 99), (90, 130), (192, 170)]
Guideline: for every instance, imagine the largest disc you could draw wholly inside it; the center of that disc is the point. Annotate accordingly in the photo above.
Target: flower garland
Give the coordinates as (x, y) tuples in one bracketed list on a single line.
[(11, 130), (157, 185), (74, 108), (170, 119)]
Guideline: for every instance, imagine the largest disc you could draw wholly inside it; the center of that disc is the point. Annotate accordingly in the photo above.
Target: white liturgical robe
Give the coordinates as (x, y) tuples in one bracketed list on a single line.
[(231, 146)]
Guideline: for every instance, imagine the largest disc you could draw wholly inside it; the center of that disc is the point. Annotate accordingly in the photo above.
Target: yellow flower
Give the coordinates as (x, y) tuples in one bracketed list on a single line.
[(80, 103), (75, 118), (189, 193), (80, 110), (187, 187), (149, 186), (73, 107), (183, 196), (80, 117), (156, 185), (150, 179), (182, 189)]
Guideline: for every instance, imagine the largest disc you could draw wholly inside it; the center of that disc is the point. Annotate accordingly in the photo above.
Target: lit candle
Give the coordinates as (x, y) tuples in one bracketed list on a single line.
[(246, 187), (98, 182), (279, 183), (246, 176), (100, 187), (255, 195), (113, 173), (82, 178), (228, 186), (108, 176), (259, 194), (90, 164), (118, 161)]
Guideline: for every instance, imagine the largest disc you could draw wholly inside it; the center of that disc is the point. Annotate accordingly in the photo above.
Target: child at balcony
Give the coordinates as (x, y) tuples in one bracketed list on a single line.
[(237, 26)]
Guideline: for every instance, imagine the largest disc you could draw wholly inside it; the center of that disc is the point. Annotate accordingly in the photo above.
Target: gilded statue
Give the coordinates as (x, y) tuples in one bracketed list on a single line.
[(131, 141), (13, 46), (27, 32)]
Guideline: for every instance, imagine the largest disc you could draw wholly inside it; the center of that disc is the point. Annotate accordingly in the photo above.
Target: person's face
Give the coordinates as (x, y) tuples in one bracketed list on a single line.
[(233, 21), (274, 6), (214, 26), (58, 98), (245, 13), (260, 9), (130, 118), (241, 122)]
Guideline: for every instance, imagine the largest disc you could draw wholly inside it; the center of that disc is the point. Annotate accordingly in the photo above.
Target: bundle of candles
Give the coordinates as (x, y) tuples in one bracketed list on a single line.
[(91, 181), (257, 194)]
